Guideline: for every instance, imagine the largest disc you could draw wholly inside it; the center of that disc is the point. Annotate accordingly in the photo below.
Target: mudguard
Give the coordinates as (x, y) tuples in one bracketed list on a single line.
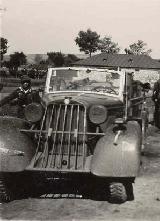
[(121, 159), (16, 148)]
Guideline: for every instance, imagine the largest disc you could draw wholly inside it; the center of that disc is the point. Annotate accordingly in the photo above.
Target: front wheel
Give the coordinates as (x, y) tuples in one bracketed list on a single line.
[(5, 194), (120, 193), (13, 186)]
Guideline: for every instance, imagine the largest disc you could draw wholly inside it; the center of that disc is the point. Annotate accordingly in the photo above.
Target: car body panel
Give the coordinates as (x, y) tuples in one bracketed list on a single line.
[(120, 159), (16, 148), (83, 98)]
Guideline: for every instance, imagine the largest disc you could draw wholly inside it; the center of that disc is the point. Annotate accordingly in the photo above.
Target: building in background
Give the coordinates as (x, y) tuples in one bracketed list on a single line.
[(145, 68)]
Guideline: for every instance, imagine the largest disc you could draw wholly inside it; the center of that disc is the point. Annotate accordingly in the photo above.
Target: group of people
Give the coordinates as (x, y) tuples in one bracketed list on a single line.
[(33, 73)]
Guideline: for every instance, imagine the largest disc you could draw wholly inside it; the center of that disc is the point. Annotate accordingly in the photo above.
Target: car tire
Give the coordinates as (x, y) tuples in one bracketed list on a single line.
[(5, 195), (117, 193)]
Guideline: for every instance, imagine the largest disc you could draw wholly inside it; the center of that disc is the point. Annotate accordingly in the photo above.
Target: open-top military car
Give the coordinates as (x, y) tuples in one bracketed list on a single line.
[(90, 129)]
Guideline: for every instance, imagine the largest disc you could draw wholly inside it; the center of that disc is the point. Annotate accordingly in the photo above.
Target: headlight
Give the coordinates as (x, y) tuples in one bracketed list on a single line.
[(97, 114), (33, 112)]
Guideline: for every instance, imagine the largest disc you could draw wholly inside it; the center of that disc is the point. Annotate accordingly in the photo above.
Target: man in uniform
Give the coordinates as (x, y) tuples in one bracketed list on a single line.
[(156, 99), (22, 96)]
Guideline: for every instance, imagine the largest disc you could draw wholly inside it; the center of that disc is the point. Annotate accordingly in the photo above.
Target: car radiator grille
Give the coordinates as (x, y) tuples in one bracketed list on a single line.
[(62, 139)]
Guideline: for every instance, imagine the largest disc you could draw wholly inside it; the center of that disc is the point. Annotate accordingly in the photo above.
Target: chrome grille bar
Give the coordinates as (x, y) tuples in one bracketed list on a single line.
[(76, 135), (54, 138), (45, 151), (69, 138), (65, 132), (62, 135), (62, 140), (84, 137)]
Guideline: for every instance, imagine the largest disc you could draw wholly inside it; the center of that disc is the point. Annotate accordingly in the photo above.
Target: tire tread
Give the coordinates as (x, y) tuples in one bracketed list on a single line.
[(118, 193)]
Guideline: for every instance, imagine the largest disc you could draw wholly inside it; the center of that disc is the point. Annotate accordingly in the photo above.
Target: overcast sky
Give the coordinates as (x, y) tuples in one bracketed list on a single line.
[(39, 26)]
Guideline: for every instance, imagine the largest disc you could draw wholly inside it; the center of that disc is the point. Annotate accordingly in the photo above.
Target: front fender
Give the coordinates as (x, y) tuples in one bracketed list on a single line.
[(16, 148), (121, 160)]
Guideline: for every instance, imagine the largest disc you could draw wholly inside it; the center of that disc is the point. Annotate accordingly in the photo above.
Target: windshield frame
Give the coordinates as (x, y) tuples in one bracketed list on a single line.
[(50, 71)]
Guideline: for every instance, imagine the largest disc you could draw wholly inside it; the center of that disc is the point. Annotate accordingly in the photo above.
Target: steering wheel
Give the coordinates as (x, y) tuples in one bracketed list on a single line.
[(104, 89)]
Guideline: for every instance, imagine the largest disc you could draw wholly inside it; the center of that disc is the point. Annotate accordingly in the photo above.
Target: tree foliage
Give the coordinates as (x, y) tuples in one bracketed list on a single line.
[(107, 45), (38, 58), (70, 58), (56, 58), (88, 41), (17, 59), (3, 47), (138, 48)]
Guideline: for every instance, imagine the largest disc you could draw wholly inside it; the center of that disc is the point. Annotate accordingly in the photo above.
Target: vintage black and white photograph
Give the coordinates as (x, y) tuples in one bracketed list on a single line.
[(80, 110)]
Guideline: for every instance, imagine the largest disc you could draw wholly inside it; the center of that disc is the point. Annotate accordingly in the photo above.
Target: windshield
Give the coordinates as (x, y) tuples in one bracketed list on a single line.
[(103, 81)]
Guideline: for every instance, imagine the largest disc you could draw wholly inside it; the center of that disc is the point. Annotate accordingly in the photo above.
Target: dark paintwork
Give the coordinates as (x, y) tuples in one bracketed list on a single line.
[(16, 148)]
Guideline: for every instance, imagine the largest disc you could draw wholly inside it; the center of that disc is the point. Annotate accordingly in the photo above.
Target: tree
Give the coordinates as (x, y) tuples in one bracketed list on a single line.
[(3, 47), (88, 41), (70, 58), (38, 58), (107, 45), (138, 48), (17, 59), (56, 58)]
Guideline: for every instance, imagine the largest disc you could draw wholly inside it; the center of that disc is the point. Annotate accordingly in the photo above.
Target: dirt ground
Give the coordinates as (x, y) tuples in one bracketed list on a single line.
[(146, 205)]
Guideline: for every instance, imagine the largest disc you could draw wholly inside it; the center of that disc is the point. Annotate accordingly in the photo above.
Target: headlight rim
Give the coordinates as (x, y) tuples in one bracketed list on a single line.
[(95, 120), (40, 111)]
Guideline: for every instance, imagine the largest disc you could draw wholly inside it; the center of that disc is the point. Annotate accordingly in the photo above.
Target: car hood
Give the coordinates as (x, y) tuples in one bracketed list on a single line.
[(86, 99)]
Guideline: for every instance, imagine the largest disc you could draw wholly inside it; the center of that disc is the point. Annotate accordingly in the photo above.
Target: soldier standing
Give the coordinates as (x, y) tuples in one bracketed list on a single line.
[(156, 99)]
